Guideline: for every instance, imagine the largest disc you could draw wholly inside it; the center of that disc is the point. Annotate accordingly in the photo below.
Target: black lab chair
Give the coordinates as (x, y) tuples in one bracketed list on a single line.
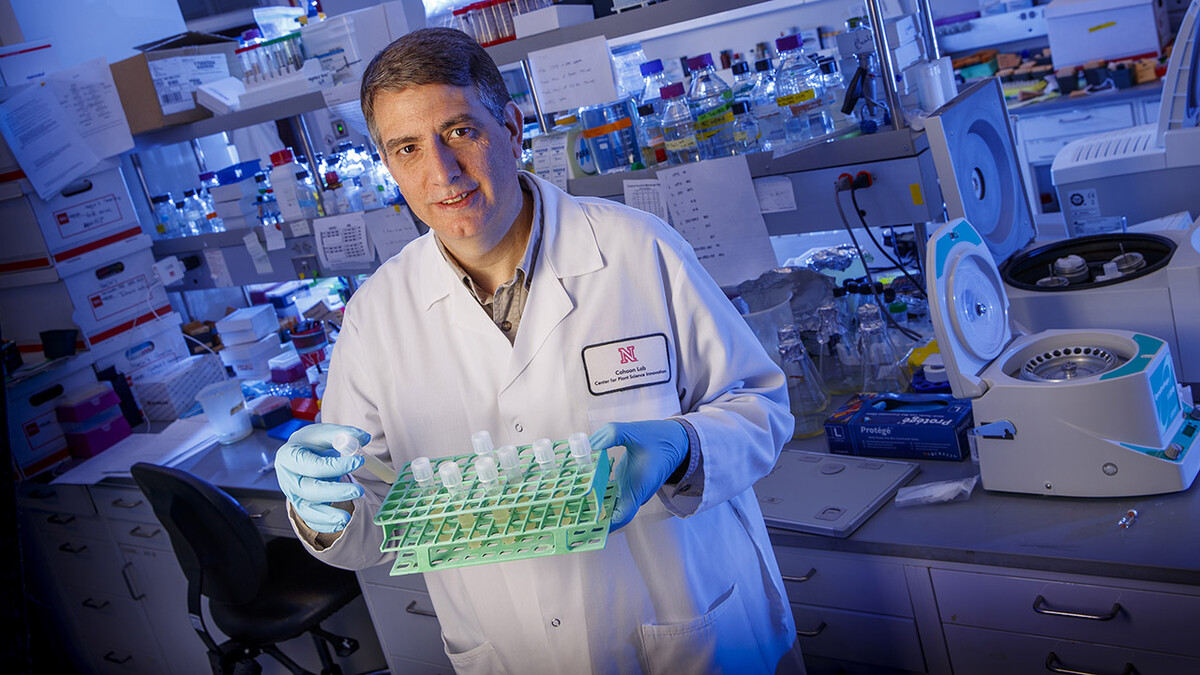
[(260, 593)]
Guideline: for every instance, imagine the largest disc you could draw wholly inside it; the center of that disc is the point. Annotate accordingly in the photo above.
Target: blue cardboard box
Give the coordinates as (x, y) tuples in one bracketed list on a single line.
[(904, 426)]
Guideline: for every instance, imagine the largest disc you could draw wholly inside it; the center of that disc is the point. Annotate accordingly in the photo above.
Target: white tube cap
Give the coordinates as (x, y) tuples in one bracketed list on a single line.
[(422, 470), (482, 442), (346, 443), (543, 452), (451, 475), (581, 447), (509, 459), (485, 469)]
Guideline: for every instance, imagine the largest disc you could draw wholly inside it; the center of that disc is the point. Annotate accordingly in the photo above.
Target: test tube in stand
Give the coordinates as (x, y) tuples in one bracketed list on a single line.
[(543, 454), (510, 465), (489, 482), (453, 480), (422, 471), (581, 450), (481, 441)]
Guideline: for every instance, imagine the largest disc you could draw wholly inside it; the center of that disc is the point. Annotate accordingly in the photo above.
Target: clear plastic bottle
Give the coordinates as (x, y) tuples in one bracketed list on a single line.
[(743, 81), (194, 213), (166, 217), (306, 193), (797, 90), (679, 127), (655, 79), (806, 392), (835, 92), (880, 364), (745, 129), (711, 99), (764, 107), (650, 136)]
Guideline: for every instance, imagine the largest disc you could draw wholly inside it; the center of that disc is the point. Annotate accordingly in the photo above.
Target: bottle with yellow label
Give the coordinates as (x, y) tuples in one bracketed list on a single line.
[(799, 93), (679, 128), (711, 101)]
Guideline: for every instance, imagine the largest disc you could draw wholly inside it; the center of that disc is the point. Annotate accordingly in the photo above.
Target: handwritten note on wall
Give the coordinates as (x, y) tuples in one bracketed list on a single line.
[(573, 75), (714, 207)]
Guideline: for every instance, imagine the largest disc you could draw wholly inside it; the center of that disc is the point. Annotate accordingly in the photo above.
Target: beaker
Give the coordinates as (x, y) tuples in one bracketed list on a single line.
[(770, 310), (226, 410)]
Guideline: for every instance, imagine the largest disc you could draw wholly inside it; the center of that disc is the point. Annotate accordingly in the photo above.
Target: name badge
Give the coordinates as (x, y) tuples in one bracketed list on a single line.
[(627, 364)]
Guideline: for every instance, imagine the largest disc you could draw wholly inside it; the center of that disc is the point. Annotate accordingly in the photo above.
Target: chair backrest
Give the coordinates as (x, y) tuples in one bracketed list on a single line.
[(216, 543)]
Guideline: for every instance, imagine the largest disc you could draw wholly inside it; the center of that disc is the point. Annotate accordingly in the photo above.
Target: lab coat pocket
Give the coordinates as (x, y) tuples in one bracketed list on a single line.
[(481, 660), (720, 641)]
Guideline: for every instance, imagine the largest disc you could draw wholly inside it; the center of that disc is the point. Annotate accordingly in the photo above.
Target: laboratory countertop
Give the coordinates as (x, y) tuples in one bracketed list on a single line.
[(1035, 106), (1053, 534)]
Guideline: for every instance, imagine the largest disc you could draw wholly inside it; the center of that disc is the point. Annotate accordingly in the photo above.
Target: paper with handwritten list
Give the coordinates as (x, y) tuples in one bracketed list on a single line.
[(714, 207), (573, 75)]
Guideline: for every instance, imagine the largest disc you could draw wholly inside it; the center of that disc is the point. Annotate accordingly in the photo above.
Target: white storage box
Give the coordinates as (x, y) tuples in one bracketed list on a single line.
[(34, 433), (346, 43), (148, 349), (119, 293), (1086, 30), (253, 360), (248, 325), (549, 18), (232, 192), (167, 395), (91, 212), (24, 247), (28, 310)]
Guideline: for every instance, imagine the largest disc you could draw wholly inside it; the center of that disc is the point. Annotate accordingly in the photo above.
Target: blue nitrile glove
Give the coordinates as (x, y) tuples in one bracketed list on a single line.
[(310, 471), (653, 450)]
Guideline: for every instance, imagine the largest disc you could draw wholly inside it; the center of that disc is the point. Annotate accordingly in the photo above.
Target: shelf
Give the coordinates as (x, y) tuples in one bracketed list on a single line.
[(994, 29), (641, 20), (270, 112)]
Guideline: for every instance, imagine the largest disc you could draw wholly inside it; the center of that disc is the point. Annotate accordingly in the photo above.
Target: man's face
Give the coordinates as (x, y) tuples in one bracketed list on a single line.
[(455, 164)]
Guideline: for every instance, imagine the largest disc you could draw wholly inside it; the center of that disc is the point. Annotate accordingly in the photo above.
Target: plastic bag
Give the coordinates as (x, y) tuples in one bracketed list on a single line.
[(936, 493)]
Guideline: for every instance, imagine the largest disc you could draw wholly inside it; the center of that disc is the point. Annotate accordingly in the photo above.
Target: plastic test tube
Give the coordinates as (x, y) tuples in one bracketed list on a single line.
[(581, 449), (422, 472), (481, 441), (543, 454), (347, 445), (510, 464), (452, 478)]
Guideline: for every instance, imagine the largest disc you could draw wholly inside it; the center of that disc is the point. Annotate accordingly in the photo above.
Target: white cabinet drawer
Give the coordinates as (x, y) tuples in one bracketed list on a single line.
[(1081, 121), (1123, 617), (860, 637), (64, 523), (844, 582), (1047, 149), (58, 498), (124, 503), (83, 562), (115, 633), (134, 533), (406, 624), (269, 515), (989, 652)]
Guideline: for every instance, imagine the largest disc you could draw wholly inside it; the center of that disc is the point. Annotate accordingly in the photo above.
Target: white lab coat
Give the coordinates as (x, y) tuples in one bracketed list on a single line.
[(691, 585)]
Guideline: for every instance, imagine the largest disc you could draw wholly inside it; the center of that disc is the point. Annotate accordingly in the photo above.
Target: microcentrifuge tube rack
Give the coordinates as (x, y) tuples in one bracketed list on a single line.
[(547, 513)]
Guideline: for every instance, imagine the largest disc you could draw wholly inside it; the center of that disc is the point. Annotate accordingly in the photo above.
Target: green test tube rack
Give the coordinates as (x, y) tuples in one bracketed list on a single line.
[(566, 511)]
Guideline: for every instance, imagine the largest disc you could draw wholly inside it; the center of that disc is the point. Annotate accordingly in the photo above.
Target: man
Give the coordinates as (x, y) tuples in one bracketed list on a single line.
[(530, 313)]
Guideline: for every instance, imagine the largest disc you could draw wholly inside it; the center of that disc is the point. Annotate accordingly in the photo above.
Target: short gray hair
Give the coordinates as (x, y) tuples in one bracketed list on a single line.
[(432, 56)]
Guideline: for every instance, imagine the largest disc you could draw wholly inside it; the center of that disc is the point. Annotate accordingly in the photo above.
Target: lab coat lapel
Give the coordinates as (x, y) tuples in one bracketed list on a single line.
[(439, 284), (568, 249)]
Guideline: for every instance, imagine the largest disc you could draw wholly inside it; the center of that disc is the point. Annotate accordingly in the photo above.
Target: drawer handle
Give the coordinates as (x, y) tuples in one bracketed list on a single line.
[(91, 604), (137, 532), (262, 514), (67, 548), (111, 657), (1055, 666), (811, 633), (1040, 609), (120, 503), (412, 609), (1072, 120), (57, 519), (803, 578)]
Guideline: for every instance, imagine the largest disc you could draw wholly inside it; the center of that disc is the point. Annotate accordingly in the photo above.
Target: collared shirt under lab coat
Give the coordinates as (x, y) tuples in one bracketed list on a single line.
[(691, 585)]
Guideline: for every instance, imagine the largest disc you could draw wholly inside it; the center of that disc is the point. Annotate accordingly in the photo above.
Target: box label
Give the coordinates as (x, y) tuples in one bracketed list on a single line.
[(119, 297), (79, 218), (177, 77)]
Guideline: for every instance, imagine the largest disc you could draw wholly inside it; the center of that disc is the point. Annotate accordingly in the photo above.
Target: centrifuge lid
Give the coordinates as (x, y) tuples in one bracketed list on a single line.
[(978, 170), (969, 307)]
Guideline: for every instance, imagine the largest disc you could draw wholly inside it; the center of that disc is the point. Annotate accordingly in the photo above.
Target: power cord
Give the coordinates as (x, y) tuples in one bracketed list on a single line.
[(863, 179), (844, 183)]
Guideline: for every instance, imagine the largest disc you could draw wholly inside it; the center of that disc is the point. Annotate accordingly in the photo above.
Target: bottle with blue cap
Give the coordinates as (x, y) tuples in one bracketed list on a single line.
[(655, 79)]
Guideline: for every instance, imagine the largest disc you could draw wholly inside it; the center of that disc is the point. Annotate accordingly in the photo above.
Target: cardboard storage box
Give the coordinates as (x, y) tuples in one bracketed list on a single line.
[(24, 249), (169, 394), (90, 213), (1087, 30), (28, 310), (118, 293), (148, 349), (550, 18), (34, 433), (157, 87)]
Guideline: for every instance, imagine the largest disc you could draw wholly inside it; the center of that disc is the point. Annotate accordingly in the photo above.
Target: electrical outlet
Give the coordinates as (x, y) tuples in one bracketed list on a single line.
[(306, 267)]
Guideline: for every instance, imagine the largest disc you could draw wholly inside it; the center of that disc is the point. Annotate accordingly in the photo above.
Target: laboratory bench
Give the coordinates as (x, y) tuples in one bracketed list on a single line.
[(1000, 583)]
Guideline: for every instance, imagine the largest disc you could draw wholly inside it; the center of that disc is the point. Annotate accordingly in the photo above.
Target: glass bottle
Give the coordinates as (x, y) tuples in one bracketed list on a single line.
[(745, 129), (194, 213), (306, 195), (743, 81), (679, 128), (807, 396), (797, 89), (650, 136), (762, 104), (710, 99), (881, 367), (837, 358), (166, 218), (655, 79)]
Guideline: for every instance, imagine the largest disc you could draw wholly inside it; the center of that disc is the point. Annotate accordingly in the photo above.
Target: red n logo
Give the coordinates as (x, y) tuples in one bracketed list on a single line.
[(627, 354)]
